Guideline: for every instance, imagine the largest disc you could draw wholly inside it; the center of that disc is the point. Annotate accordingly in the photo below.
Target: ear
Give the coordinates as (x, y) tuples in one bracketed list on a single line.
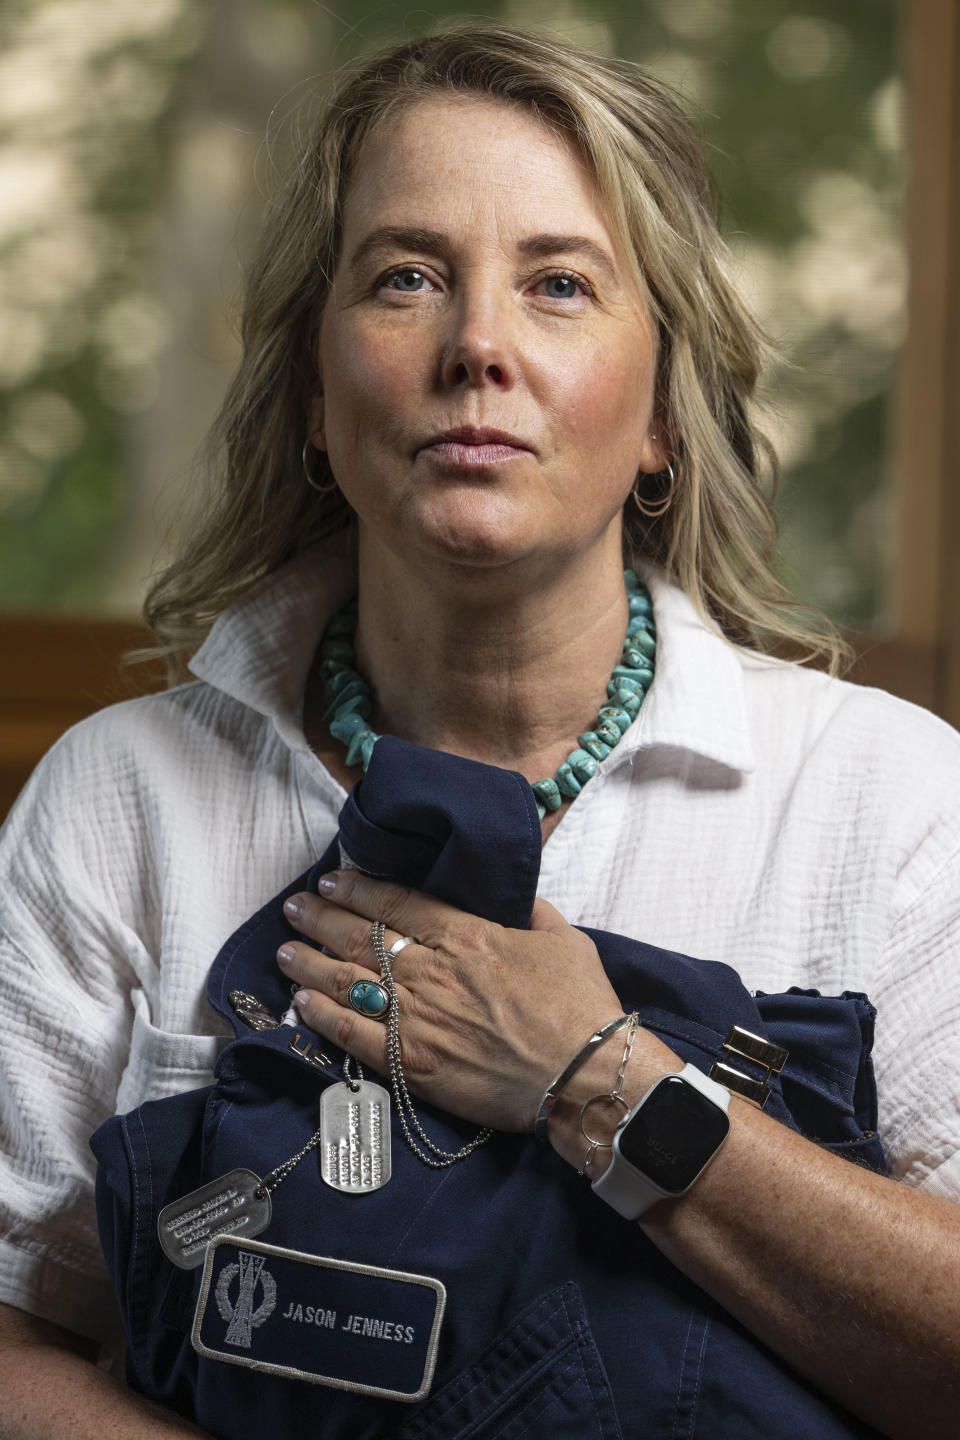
[(315, 426), (656, 449)]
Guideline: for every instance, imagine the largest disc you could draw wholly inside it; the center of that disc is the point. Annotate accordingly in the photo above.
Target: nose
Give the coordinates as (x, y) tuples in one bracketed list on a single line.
[(479, 351)]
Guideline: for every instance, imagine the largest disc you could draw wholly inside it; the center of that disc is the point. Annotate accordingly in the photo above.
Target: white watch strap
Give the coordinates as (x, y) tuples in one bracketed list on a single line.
[(719, 1094), (621, 1185)]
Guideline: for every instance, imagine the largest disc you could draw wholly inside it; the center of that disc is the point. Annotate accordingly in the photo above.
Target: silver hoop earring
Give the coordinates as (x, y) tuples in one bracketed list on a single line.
[(320, 489), (653, 509)]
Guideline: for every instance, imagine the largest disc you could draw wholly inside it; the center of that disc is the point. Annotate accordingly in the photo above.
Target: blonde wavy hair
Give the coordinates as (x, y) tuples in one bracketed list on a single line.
[(717, 538)]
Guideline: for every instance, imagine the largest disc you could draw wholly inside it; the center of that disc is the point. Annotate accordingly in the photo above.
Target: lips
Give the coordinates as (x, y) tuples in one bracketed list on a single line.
[(474, 446)]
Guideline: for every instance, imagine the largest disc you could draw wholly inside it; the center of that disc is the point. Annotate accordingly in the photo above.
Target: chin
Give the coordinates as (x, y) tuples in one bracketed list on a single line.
[(481, 535), (477, 550)]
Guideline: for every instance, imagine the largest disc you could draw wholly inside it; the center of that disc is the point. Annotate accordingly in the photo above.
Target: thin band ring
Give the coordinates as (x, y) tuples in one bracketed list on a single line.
[(398, 945)]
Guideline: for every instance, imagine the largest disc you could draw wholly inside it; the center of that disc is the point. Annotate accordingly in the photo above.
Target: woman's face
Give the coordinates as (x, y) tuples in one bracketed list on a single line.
[(486, 359)]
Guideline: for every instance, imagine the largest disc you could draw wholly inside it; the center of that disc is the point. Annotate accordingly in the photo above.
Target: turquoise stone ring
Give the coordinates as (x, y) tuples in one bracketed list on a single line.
[(370, 998)]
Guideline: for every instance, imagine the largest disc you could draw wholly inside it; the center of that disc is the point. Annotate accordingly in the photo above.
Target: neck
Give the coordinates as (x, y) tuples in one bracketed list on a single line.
[(507, 669)]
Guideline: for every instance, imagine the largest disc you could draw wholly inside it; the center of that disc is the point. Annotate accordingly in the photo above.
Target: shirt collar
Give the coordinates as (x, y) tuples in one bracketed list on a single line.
[(260, 650), (697, 701)]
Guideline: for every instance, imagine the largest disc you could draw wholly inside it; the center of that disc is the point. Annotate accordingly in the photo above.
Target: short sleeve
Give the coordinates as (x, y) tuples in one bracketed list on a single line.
[(918, 1041), (71, 957)]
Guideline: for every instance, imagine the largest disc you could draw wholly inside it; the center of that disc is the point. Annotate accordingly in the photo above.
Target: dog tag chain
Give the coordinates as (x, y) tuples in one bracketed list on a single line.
[(354, 1134)]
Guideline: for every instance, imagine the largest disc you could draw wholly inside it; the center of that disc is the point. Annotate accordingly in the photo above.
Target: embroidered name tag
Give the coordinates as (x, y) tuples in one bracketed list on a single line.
[(332, 1322)]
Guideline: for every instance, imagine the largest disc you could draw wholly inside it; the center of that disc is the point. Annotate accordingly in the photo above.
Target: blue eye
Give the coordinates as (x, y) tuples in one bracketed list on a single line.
[(407, 282), (561, 287)]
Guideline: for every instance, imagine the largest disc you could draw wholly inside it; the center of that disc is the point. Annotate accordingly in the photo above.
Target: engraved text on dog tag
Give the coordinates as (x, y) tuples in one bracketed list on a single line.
[(235, 1204), (355, 1136)]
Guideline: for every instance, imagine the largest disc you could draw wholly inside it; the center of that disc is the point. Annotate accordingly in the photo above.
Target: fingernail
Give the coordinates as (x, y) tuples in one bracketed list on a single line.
[(302, 998), (286, 955), (293, 907), (327, 882)]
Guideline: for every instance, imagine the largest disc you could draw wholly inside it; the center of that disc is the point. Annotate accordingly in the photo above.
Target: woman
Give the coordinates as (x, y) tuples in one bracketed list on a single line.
[(493, 302)]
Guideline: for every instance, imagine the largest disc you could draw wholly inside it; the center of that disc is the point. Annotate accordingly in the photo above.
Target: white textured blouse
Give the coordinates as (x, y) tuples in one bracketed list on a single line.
[(803, 830)]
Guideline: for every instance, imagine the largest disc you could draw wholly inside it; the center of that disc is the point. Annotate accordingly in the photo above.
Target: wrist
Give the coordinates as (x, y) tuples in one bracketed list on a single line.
[(650, 1059), (664, 1144)]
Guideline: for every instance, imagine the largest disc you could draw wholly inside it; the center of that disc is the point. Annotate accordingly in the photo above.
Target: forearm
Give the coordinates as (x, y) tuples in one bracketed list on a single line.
[(48, 1386), (853, 1279), (849, 1276)]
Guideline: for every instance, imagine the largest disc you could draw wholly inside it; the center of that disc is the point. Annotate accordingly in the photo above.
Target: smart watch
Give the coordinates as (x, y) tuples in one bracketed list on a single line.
[(665, 1142)]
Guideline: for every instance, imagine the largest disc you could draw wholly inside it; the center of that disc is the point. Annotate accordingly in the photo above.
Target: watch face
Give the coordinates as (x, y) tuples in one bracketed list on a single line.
[(674, 1135)]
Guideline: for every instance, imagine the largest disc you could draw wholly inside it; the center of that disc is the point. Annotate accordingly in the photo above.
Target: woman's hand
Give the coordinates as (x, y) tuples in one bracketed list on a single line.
[(487, 1016)]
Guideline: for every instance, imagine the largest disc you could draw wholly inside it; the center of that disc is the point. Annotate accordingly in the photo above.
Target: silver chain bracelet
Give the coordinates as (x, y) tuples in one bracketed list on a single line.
[(613, 1095)]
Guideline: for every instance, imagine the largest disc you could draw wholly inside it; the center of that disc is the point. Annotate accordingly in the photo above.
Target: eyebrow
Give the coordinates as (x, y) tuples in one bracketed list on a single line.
[(540, 247), (400, 237), (536, 247)]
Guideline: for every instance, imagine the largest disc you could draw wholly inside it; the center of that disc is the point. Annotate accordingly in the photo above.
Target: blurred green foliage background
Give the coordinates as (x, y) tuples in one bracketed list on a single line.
[(132, 166)]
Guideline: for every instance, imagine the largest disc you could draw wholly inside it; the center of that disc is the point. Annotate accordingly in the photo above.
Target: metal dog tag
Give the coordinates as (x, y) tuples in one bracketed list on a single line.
[(355, 1137), (235, 1204)]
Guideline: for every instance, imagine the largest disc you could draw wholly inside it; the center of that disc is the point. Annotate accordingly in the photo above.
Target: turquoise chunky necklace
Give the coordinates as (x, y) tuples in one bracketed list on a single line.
[(348, 703)]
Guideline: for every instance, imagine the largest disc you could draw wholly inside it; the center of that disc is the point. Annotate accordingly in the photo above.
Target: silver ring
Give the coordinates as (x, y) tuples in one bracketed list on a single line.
[(398, 945), (369, 998)]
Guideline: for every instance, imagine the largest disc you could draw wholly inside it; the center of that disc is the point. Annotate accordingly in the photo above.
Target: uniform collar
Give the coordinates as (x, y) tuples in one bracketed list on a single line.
[(259, 652)]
